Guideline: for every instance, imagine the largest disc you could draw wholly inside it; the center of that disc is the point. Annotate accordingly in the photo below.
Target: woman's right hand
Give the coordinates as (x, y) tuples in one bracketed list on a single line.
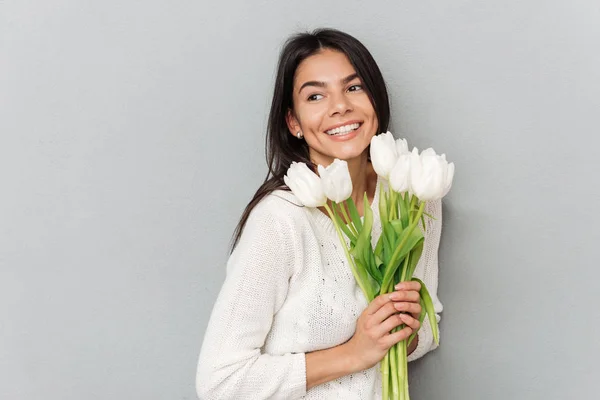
[(372, 338)]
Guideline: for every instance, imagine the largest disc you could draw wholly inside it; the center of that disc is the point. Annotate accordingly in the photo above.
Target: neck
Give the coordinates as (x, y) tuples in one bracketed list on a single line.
[(360, 173)]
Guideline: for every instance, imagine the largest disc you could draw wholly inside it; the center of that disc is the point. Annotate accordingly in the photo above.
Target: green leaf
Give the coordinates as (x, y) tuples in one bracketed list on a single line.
[(354, 253), (389, 238), (428, 302), (410, 241), (364, 237), (415, 255), (368, 214), (382, 270), (366, 280), (369, 282), (375, 288), (390, 234), (365, 241), (429, 215), (398, 273), (354, 215), (360, 267), (342, 225), (397, 225), (421, 319), (379, 246), (363, 251), (378, 261), (374, 268)]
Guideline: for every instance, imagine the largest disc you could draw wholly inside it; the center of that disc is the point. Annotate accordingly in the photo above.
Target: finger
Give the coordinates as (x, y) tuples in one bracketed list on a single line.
[(409, 285), (389, 324), (382, 314), (393, 338), (403, 295), (409, 320), (377, 303), (412, 308)]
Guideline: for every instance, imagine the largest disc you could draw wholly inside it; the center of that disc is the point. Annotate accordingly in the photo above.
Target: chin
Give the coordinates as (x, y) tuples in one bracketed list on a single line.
[(349, 154)]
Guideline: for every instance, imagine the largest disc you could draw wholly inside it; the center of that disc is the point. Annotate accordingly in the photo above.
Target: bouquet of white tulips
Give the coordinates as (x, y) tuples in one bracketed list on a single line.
[(413, 179)]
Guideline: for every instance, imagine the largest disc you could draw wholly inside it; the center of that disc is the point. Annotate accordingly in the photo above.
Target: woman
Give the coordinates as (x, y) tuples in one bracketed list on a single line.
[(290, 321)]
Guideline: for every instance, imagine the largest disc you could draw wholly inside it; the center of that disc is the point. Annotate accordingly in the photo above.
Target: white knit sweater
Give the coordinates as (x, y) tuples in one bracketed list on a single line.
[(289, 291)]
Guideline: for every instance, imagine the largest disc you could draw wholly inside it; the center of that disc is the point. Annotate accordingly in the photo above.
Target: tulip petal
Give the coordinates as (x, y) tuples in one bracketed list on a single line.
[(383, 153), (305, 185), (336, 180)]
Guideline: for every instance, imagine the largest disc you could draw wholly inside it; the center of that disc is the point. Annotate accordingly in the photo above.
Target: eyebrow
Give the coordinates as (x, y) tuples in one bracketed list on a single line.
[(321, 84)]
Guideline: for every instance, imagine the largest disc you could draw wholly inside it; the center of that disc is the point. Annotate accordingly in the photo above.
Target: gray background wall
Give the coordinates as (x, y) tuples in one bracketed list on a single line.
[(132, 137)]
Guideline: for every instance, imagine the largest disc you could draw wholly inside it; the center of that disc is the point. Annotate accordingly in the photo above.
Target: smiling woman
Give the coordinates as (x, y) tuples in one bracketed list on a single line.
[(290, 320), (331, 108)]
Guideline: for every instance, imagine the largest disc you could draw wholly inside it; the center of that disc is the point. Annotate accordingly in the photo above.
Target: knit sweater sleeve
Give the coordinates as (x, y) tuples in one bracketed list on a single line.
[(232, 364), (427, 271)]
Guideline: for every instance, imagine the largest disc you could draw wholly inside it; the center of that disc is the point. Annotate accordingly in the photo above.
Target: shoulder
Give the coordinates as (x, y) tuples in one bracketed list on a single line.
[(279, 208), (273, 228)]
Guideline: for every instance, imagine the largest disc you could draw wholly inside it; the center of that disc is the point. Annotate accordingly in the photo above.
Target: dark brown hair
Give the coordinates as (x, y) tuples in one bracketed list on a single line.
[(281, 147)]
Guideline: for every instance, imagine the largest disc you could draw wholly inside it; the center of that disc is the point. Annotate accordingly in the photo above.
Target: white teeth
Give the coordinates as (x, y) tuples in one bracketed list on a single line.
[(342, 129)]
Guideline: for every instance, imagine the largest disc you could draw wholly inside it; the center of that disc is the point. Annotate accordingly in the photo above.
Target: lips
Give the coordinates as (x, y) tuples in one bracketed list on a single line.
[(343, 129), (344, 137)]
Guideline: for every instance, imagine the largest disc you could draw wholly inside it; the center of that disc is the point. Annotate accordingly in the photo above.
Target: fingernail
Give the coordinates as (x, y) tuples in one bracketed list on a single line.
[(398, 286)]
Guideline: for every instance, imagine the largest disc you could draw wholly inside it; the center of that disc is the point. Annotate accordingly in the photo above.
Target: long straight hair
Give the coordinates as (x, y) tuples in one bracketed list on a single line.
[(281, 147)]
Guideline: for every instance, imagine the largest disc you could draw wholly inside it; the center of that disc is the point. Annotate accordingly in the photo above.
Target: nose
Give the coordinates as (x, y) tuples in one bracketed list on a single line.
[(340, 104)]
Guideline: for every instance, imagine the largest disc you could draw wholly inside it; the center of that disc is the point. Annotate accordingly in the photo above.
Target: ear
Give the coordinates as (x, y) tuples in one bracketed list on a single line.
[(292, 122)]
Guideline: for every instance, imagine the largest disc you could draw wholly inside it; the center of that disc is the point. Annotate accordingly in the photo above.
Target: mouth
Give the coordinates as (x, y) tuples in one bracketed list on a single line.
[(344, 129)]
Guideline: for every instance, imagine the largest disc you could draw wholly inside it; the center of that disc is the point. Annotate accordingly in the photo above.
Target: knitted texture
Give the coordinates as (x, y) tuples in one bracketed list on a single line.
[(288, 291)]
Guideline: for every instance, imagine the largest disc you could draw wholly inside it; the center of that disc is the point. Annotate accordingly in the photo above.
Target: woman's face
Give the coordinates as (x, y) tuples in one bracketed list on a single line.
[(331, 108)]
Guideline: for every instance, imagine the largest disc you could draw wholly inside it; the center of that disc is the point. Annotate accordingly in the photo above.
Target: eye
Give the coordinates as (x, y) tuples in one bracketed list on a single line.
[(355, 88), (314, 97)]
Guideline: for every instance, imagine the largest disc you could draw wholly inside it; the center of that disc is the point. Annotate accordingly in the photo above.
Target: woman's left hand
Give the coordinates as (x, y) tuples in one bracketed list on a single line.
[(407, 298)]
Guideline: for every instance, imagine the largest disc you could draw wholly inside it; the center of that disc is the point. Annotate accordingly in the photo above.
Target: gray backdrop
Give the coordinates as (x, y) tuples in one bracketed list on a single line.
[(132, 137)]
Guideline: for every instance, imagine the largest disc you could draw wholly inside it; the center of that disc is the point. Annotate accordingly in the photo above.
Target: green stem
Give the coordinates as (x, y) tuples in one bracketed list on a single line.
[(385, 376), (392, 363), (402, 371), (413, 201), (397, 206), (353, 268), (393, 205), (350, 224), (393, 352), (403, 277)]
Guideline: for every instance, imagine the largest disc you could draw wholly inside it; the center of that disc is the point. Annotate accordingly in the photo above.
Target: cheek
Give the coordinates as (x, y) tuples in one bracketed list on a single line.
[(370, 114), (311, 117), (373, 117), (367, 108)]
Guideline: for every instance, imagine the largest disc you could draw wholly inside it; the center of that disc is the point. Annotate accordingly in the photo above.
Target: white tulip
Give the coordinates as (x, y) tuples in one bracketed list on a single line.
[(402, 147), (336, 180), (400, 174), (383, 154), (305, 184), (430, 175)]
